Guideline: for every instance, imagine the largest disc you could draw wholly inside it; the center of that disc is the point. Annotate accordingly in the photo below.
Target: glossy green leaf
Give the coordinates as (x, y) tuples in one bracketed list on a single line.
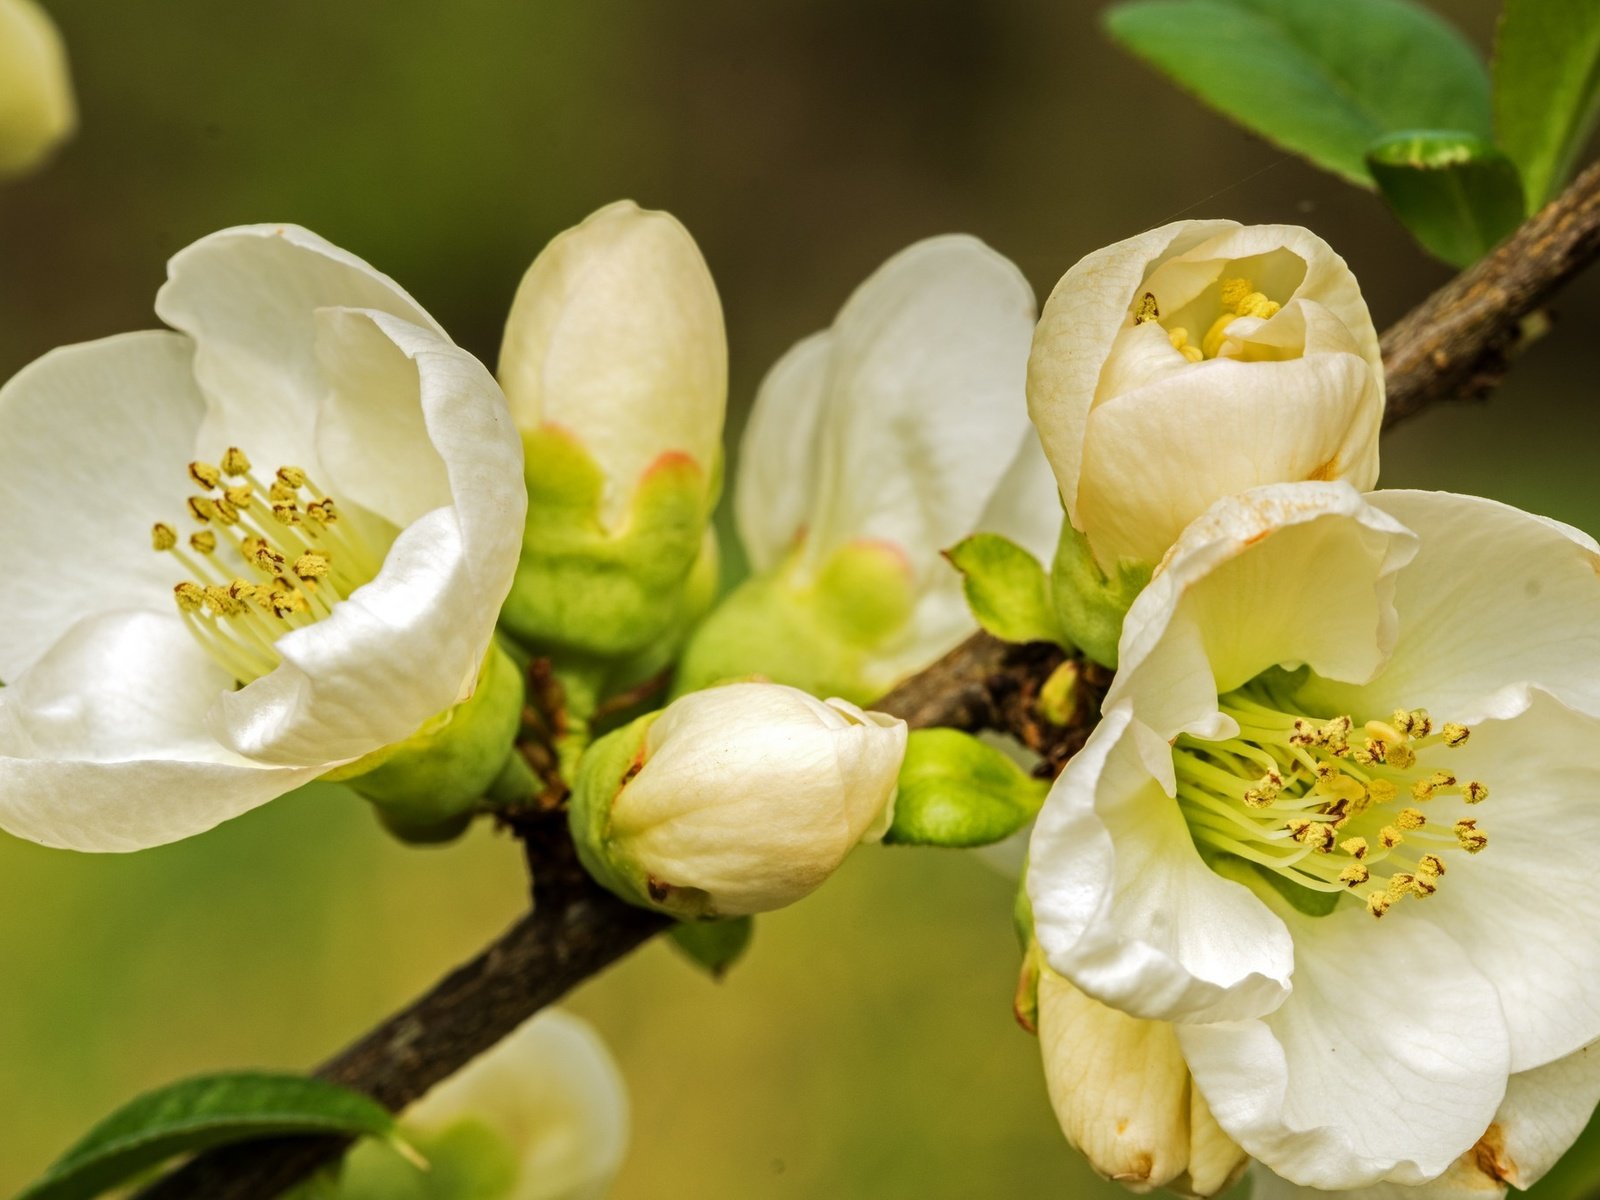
[(1546, 88), (1322, 78), (199, 1113), (957, 791), (714, 945), (1456, 193), (1007, 589)]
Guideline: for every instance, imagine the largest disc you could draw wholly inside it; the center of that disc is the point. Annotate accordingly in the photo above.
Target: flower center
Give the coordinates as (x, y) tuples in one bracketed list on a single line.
[(1238, 298), (1329, 807), (266, 558)]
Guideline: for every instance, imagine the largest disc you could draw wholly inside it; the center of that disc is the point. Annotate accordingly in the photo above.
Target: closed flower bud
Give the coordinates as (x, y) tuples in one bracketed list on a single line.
[(1122, 1092), (36, 105), (615, 366), (735, 800), (1196, 361)]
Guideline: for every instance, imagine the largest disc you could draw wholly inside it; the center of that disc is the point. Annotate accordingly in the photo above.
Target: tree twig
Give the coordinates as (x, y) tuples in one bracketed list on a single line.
[(1453, 346)]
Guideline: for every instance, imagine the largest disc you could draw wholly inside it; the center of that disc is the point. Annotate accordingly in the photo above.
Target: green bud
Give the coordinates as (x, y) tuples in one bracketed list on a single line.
[(1090, 603), (427, 788)]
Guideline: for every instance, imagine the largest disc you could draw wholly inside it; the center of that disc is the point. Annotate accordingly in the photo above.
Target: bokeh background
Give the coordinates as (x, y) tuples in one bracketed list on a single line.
[(866, 1047)]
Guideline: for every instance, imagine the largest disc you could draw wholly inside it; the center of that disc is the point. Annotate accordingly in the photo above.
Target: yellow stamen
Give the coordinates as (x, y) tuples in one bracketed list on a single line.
[(235, 463), (205, 541), (163, 537)]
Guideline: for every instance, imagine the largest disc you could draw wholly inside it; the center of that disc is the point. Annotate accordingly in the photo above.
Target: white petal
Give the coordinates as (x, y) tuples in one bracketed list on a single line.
[(1075, 334), (248, 296), (925, 406), (1526, 910), (1495, 598), (553, 1092), (616, 335), (103, 742), (1541, 1117), (408, 645), (1156, 457), (1026, 507), (1124, 907), (1287, 574), (94, 442), (775, 492), (36, 105), (1387, 1061)]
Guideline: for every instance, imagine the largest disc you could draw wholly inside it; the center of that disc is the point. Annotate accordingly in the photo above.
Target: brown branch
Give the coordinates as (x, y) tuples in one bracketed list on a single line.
[(1453, 346)]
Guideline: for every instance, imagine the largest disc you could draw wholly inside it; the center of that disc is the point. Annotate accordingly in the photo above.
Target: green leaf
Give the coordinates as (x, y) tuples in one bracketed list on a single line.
[(714, 945), (1546, 88), (1007, 589), (198, 1113), (1455, 192), (957, 791), (1322, 78)]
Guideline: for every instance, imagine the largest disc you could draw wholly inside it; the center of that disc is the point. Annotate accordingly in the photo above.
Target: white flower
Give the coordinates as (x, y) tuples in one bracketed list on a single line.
[(378, 552), (1195, 361), (874, 446), (615, 338), (734, 800), (543, 1115), (36, 106), (1332, 709)]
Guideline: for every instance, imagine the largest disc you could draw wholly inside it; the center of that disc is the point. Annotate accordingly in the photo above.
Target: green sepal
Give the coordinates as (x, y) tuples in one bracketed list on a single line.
[(1022, 911), (466, 1160), (1007, 589), (196, 1114), (1090, 603), (428, 787), (1456, 193), (587, 589), (959, 792), (714, 945), (823, 636), (1025, 1000)]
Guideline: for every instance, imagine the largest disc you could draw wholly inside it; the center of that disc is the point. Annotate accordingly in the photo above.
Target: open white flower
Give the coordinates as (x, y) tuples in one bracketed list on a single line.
[(1337, 825), (244, 553), (1195, 361), (873, 446), (543, 1115), (734, 800), (36, 106)]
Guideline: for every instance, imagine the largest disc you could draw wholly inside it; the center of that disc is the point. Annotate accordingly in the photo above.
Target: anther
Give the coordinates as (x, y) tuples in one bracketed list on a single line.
[(163, 537), (1455, 735), (201, 508), (1354, 875), (281, 493), (191, 597), (226, 512), (205, 541), (1472, 838), (204, 475), (1378, 903), (1355, 847), (1410, 818), (239, 497), (1389, 837), (1431, 865), (1147, 310), (292, 476), (1382, 791), (1402, 756), (1474, 792), (234, 462), (286, 514), (311, 566)]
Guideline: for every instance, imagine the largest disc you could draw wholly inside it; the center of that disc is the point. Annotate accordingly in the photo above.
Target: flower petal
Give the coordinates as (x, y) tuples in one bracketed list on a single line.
[(553, 1092), (248, 296), (103, 741), (616, 335), (1249, 424), (408, 645), (37, 109), (1494, 599), (925, 400), (775, 490), (1387, 1061), (1075, 335), (1287, 574), (1527, 909), (94, 440), (1124, 907)]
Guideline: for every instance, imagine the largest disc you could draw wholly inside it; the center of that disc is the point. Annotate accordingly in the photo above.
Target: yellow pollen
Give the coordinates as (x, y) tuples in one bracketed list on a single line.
[(281, 493), (221, 601), (1431, 865), (1402, 757), (1234, 292), (286, 514), (1402, 720), (201, 508), (191, 597), (1400, 883), (234, 462), (292, 477), (1424, 885), (1355, 847), (226, 513), (1472, 839), (1455, 735), (322, 511), (163, 537), (1354, 875), (1421, 723), (204, 475), (1378, 903), (205, 541), (1146, 310), (239, 497), (1410, 818), (1474, 792), (1179, 338), (311, 566), (1389, 837)]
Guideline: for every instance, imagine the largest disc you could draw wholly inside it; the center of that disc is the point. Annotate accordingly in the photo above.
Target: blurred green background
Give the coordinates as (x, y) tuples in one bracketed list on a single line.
[(866, 1048)]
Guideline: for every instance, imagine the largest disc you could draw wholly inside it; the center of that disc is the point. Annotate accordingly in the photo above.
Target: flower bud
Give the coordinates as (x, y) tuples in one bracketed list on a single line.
[(1123, 1095), (36, 105), (614, 364), (543, 1115), (734, 800), (1195, 361)]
